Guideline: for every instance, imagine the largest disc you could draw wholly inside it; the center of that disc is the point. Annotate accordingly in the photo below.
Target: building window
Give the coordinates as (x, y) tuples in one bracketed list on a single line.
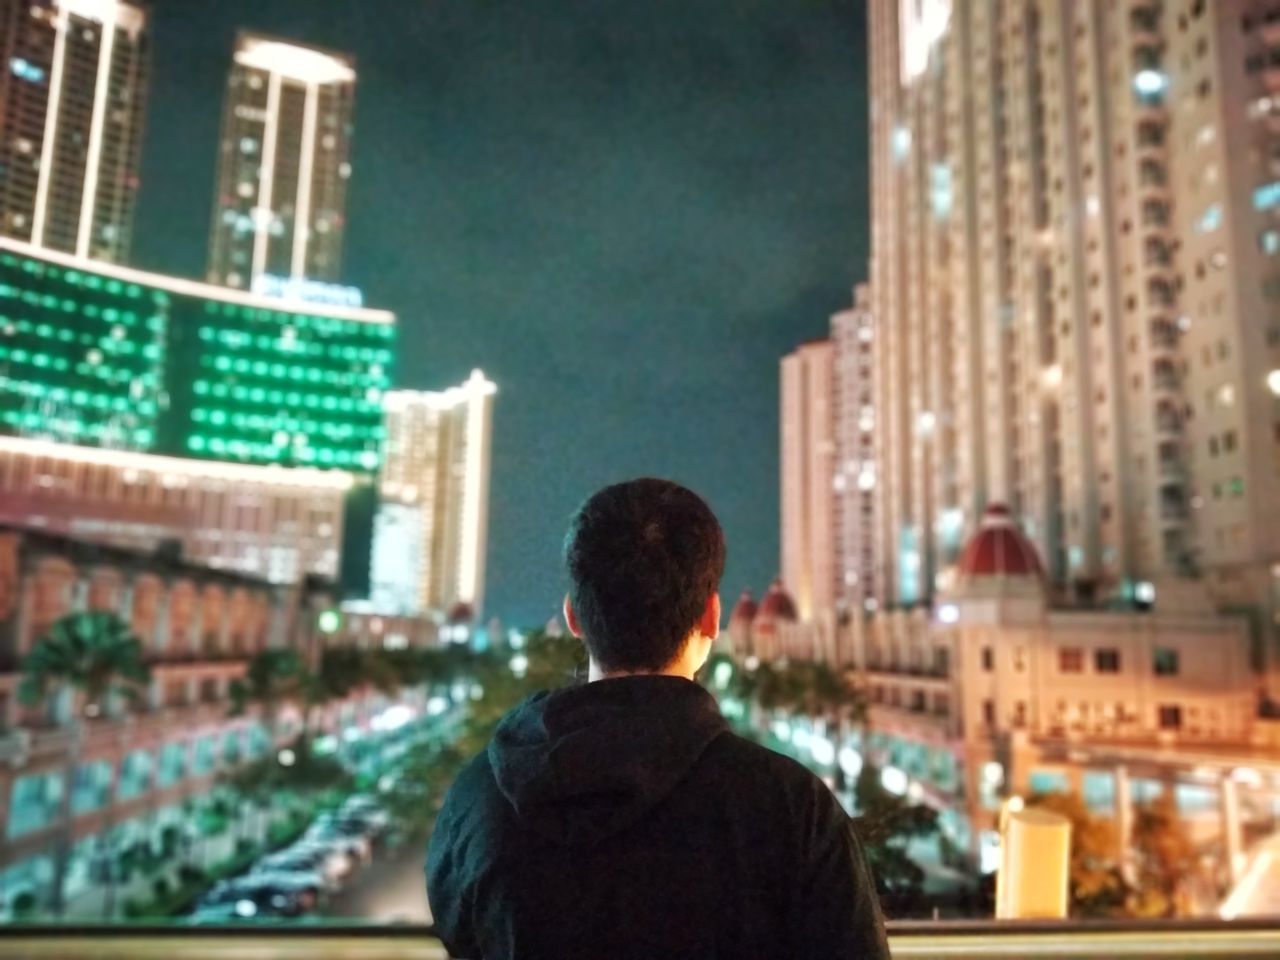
[(1266, 196), (1106, 660), (1165, 662), (988, 659), (1020, 714), (1070, 660), (989, 712), (1170, 716)]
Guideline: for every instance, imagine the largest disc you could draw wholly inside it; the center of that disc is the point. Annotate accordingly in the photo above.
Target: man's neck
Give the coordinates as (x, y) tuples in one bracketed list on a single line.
[(677, 669)]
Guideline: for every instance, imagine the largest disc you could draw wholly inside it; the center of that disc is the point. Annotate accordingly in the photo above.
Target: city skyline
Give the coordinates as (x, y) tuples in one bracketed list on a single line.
[(534, 278)]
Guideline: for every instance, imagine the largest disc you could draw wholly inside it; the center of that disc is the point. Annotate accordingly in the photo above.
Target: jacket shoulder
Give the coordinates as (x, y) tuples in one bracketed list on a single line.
[(754, 760)]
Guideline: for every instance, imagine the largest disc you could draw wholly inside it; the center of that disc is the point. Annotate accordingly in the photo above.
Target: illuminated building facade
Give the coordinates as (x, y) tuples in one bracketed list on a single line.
[(147, 773), (853, 336), (283, 164), (434, 500), (108, 356), (994, 694), (72, 99), (997, 694), (807, 467), (1075, 291), (266, 522)]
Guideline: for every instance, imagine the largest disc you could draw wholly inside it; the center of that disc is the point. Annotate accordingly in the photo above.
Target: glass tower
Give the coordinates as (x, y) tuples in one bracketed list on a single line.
[(283, 164), (72, 98)]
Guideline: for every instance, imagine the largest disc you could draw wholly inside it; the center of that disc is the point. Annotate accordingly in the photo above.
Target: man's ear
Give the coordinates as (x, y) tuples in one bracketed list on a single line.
[(709, 623), (571, 618)]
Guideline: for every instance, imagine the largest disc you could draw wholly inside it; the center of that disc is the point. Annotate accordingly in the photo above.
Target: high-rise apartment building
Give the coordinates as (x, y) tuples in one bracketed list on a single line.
[(72, 98), (1223, 97), (432, 525), (808, 458), (1076, 290), (283, 164), (853, 336)]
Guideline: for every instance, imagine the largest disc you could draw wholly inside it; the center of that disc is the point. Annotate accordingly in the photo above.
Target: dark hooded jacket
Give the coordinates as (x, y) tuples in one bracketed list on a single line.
[(621, 819)]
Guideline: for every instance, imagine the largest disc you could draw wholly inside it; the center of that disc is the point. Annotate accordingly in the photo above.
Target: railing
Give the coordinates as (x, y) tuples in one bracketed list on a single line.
[(974, 940)]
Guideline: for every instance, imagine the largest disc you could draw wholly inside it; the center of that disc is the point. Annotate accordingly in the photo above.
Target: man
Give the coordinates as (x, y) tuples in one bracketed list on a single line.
[(620, 818)]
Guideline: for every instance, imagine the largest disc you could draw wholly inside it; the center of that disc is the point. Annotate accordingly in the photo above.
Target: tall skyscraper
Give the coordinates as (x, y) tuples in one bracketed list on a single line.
[(853, 334), (808, 460), (72, 97), (283, 164), (431, 528), (1077, 290)]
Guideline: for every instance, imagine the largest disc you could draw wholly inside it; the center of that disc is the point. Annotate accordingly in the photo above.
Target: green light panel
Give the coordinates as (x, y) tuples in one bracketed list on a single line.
[(91, 359), (81, 355), (268, 386)]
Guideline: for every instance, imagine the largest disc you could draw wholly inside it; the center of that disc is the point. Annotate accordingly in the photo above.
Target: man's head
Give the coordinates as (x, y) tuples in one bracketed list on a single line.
[(644, 560)]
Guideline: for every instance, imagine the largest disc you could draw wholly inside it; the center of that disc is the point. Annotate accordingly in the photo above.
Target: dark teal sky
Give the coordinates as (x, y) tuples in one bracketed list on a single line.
[(625, 213)]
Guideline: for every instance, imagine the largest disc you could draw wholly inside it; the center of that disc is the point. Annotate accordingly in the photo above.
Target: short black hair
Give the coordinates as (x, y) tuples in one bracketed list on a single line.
[(643, 558)]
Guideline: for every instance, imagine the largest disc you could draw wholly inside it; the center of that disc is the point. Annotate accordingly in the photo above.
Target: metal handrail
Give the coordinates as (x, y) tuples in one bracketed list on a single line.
[(922, 940)]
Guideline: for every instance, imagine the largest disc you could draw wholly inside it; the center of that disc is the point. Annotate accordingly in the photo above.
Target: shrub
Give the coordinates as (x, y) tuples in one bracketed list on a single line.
[(24, 904)]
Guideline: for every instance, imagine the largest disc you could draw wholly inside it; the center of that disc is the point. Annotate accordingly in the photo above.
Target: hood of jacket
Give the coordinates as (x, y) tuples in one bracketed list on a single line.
[(584, 762)]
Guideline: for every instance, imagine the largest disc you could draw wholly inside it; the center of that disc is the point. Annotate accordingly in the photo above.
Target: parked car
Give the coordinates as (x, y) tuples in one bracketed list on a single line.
[(330, 835), (303, 880), (289, 894), (366, 807), (355, 847), (243, 910), (330, 862)]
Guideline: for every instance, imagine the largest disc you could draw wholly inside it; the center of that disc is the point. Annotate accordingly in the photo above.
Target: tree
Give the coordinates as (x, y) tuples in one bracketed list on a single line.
[(272, 679), (1097, 887), (1164, 856), (296, 768), (500, 681), (95, 656), (887, 823)]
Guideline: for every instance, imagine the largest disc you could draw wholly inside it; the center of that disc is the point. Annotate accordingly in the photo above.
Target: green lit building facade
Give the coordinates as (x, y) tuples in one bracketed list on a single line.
[(100, 355)]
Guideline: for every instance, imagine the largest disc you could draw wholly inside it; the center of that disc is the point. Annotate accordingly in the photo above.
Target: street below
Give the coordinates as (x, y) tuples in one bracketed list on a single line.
[(392, 889)]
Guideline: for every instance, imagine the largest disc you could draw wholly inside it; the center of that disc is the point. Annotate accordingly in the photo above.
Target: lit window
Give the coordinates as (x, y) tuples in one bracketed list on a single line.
[(1269, 241), (25, 70), (901, 143), (1149, 83), (1210, 220), (1267, 196)]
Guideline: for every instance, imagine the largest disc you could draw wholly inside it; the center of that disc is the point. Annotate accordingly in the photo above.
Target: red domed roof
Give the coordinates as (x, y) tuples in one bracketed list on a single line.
[(744, 610), (999, 549), (777, 604), (460, 612)]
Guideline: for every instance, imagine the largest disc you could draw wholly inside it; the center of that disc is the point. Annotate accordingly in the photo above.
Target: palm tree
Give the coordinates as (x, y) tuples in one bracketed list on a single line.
[(274, 677), (96, 656)]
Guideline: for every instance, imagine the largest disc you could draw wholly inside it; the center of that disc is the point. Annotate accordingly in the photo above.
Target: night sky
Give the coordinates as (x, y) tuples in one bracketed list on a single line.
[(625, 213)]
